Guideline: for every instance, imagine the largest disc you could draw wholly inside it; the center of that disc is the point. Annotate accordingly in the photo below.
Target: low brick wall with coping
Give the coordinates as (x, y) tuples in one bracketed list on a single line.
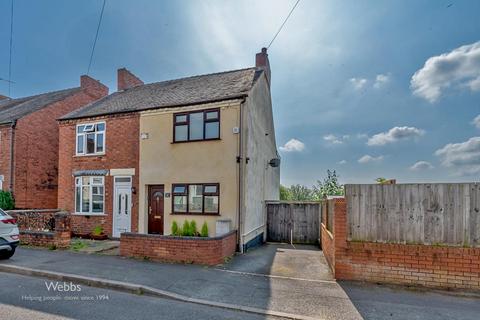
[(198, 250), (442, 267), (43, 228)]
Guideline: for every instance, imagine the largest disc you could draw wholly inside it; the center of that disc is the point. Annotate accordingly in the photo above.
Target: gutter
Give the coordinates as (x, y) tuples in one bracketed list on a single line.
[(12, 144)]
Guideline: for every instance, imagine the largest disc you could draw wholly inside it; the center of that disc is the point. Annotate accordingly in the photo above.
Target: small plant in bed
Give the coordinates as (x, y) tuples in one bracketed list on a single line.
[(98, 234)]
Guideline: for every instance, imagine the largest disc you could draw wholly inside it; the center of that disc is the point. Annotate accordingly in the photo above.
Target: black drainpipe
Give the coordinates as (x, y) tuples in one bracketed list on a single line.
[(12, 143)]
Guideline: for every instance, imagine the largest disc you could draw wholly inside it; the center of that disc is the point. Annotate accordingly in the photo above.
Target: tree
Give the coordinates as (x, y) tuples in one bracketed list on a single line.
[(381, 180), (285, 194), (329, 187), (301, 193)]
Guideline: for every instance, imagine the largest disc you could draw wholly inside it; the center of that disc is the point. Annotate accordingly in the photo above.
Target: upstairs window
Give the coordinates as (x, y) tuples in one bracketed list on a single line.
[(196, 198), (91, 138), (196, 125)]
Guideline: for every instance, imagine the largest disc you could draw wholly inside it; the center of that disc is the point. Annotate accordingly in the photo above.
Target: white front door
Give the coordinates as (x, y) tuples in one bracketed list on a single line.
[(122, 206)]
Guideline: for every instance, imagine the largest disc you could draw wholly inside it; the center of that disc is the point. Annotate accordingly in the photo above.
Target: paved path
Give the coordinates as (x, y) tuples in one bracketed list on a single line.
[(101, 304), (323, 300)]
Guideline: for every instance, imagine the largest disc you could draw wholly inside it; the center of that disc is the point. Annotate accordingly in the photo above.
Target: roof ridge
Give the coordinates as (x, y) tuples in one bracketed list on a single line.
[(191, 77), (42, 94)]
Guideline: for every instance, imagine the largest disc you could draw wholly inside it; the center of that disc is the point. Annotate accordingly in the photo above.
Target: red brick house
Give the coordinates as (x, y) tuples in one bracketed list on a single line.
[(29, 141)]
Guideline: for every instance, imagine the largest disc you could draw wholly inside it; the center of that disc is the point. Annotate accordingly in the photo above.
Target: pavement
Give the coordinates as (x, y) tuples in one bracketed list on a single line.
[(318, 298)]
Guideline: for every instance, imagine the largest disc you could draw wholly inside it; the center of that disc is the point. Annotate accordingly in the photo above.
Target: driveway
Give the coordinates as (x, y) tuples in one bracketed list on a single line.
[(284, 260)]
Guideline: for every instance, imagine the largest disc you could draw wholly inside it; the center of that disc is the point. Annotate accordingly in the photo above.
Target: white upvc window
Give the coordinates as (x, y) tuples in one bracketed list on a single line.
[(90, 138), (89, 195)]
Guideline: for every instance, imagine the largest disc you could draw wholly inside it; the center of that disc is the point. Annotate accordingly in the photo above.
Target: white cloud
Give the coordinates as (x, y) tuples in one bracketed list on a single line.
[(381, 80), (476, 121), (358, 83), (293, 145), (459, 67), (464, 157), (395, 134), (421, 165), (342, 162), (368, 158), (333, 139)]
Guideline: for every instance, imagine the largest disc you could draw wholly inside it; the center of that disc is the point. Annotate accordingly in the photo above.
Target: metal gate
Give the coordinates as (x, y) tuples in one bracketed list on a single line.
[(294, 222)]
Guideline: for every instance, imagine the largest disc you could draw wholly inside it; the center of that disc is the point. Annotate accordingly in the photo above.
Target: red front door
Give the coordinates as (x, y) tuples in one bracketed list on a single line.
[(155, 209)]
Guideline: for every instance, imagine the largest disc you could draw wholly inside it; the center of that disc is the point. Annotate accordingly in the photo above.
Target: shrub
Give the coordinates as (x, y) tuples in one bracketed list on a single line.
[(175, 230), (186, 229), (193, 228), (6, 200), (97, 231), (204, 232)]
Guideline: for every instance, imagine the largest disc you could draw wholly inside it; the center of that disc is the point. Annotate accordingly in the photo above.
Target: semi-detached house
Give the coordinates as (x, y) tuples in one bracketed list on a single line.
[(200, 148)]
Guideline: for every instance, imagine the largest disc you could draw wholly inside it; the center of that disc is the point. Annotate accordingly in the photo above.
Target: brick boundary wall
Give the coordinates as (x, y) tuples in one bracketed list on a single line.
[(439, 267), (33, 222), (198, 250)]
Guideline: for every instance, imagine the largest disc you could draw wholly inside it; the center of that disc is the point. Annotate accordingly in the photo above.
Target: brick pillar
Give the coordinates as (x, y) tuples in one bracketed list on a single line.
[(342, 267), (62, 230)]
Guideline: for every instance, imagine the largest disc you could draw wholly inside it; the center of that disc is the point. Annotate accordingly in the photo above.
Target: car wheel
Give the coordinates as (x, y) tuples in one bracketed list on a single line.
[(6, 254)]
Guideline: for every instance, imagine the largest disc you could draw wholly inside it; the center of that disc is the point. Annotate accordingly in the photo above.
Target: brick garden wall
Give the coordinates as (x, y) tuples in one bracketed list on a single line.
[(121, 151), (423, 265), (36, 228), (207, 251)]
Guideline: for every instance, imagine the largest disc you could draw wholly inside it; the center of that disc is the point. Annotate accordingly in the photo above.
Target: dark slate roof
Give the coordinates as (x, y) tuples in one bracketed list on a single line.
[(14, 109), (173, 93)]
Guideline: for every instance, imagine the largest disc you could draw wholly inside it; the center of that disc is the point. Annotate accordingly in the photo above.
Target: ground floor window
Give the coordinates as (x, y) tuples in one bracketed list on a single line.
[(198, 198), (89, 195)]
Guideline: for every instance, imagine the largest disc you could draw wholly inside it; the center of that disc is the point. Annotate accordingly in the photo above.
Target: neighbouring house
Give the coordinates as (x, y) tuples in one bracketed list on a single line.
[(29, 141), (199, 148)]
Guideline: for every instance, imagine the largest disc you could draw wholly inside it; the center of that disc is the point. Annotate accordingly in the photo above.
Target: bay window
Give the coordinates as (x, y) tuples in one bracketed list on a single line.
[(89, 195), (91, 138), (196, 125), (195, 198)]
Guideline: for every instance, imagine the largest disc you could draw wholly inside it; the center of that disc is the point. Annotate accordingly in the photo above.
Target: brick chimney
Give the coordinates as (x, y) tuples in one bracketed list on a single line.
[(261, 62), (93, 87), (127, 80)]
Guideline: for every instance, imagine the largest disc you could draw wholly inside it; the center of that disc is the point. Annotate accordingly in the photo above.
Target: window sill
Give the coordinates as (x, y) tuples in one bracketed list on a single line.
[(194, 214), (89, 155), (89, 214), (202, 140)]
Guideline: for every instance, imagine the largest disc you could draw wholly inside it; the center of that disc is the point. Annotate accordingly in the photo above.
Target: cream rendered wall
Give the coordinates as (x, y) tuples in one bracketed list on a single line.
[(164, 162), (262, 182)]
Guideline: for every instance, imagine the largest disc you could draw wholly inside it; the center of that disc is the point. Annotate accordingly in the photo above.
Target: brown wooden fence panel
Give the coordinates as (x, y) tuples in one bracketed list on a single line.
[(443, 213), (293, 221)]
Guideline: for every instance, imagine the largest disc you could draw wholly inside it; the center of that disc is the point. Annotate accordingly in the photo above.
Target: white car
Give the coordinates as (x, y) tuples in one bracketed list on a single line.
[(9, 235)]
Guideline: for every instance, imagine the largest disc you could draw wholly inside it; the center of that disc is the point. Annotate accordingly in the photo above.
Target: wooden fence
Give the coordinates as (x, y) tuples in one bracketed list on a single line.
[(434, 214), (297, 222)]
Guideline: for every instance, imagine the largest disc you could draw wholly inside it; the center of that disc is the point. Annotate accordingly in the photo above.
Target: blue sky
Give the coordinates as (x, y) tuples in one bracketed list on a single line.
[(343, 83)]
